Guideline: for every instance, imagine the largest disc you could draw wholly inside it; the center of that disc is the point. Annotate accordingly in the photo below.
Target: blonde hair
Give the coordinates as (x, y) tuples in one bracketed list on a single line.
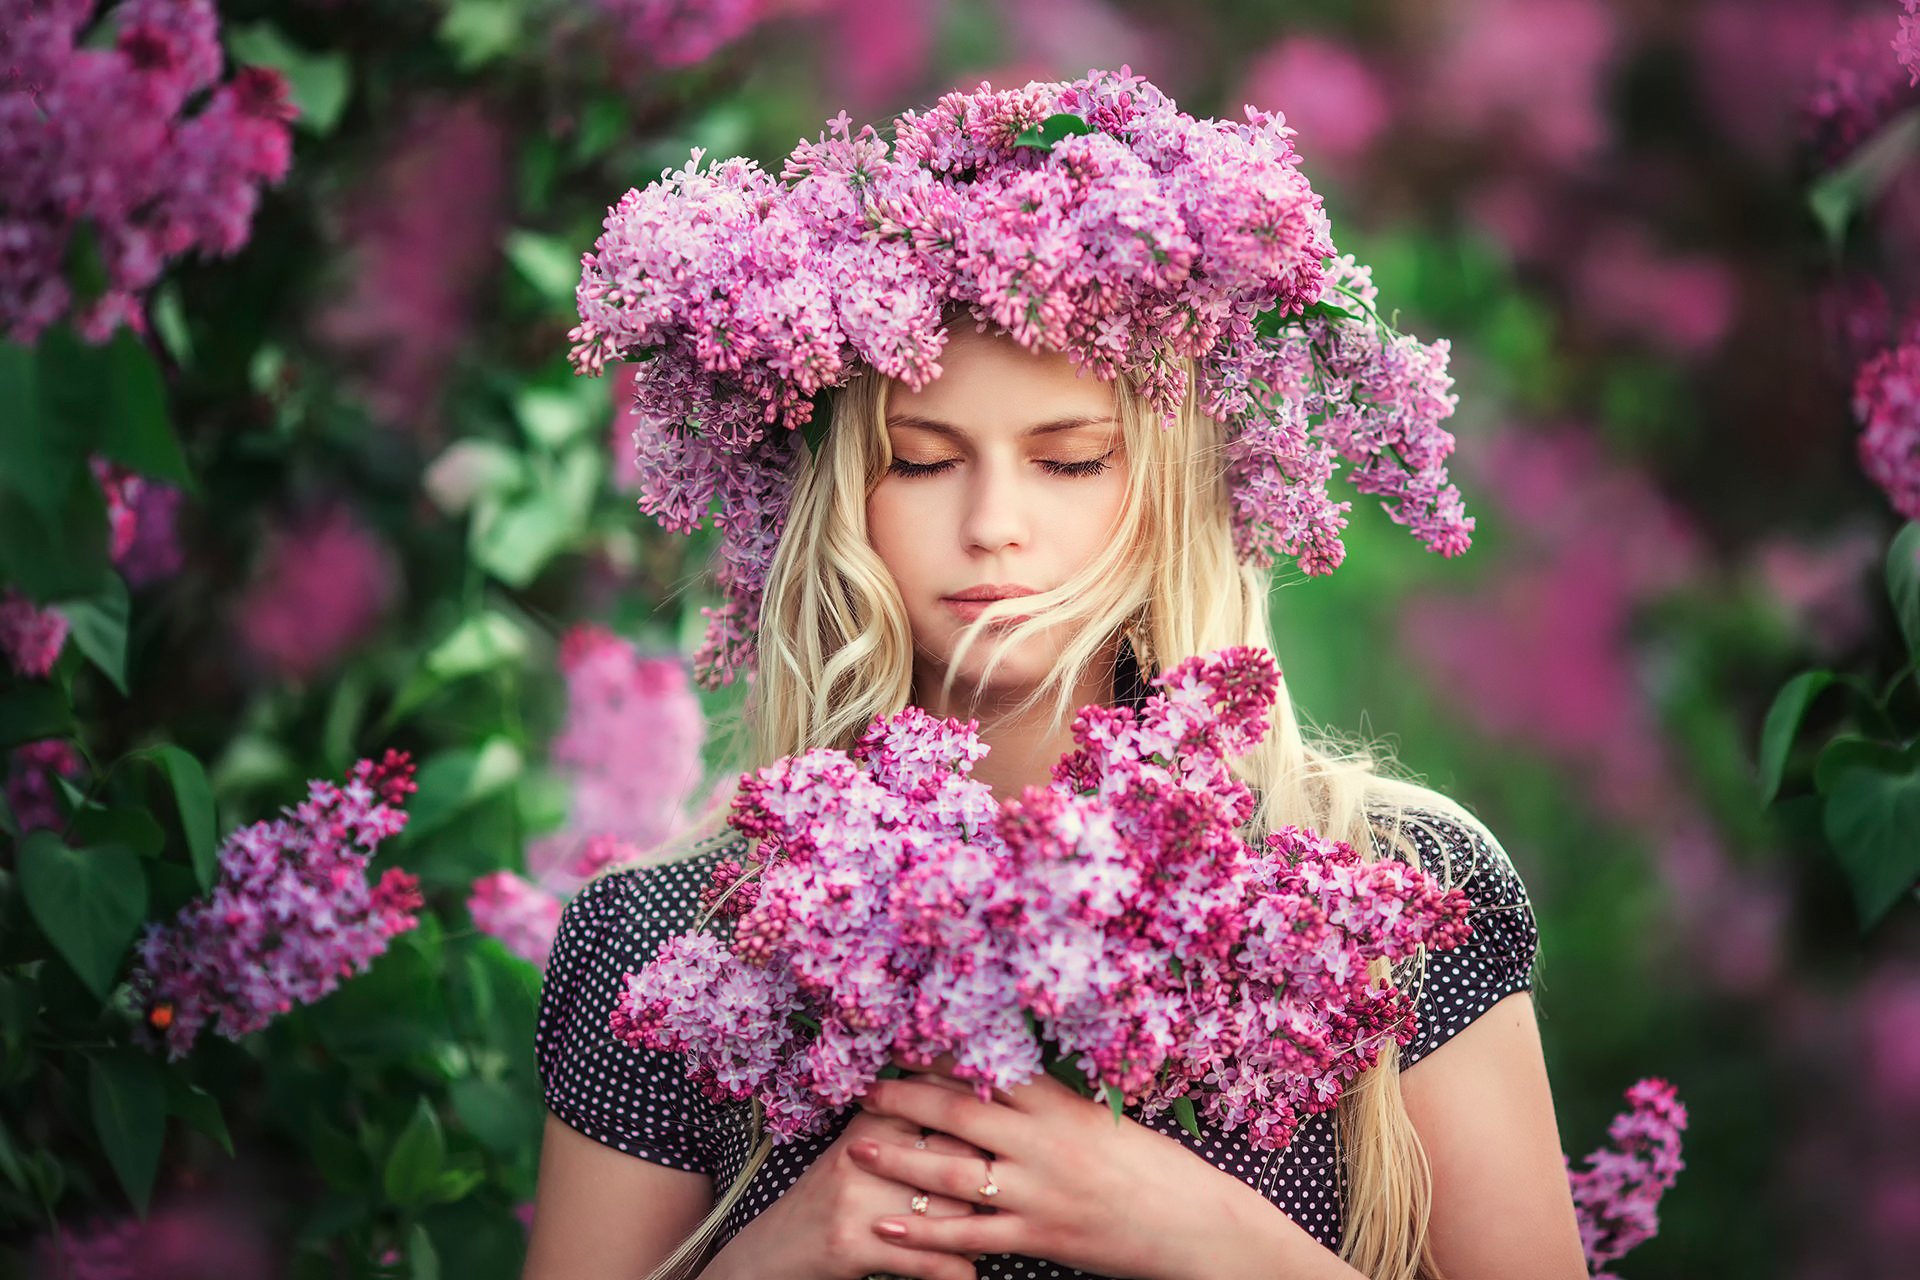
[(836, 652)]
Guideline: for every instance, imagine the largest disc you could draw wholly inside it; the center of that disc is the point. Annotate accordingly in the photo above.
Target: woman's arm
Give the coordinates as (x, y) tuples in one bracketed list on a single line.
[(599, 1212), (1502, 1207)]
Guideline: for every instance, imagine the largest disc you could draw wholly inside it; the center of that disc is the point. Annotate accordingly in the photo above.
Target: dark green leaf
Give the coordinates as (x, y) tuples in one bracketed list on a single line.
[(200, 1109), (423, 1262), (1903, 583), (453, 781), (99, 627), (502, 1118), (134, 828), (32, 712), (193, 794), (514, 540), (1183, 1112), (89, 902), (478, 31), (133, 426), (1115, 1099), (414, 1164), (129, 1095), (548, 264), (85, 270), (1783, 724), (1064, 1069), (1872, 813), (54, 544)]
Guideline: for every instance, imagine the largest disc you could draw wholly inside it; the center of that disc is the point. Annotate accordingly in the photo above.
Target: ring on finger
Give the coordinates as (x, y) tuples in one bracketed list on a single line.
[(921, 1202)]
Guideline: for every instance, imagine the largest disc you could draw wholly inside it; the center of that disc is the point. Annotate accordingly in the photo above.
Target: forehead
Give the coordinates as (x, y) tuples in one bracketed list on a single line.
[(990, 383)]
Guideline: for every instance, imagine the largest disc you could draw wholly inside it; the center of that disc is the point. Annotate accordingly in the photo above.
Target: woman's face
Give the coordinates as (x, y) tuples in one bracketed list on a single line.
[(1008, 475)]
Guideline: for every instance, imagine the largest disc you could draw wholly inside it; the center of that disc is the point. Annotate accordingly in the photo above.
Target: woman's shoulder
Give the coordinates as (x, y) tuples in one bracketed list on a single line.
[(1453, 846)]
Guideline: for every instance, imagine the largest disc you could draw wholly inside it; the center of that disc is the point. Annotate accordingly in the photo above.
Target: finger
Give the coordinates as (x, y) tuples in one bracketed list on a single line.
[(960, 1177), (988, 1125), (969, 1237), (919, 1264), (947, 1145), (1000, 1096)]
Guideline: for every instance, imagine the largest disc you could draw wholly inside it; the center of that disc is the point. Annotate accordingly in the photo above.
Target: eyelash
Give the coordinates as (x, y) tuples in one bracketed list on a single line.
[(1091, 467)]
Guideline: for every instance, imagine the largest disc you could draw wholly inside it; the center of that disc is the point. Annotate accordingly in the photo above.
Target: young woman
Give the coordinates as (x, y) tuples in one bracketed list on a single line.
[(1012, 540)]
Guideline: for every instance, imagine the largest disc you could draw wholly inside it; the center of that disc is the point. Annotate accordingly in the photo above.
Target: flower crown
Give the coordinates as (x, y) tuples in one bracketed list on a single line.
[(1093, 218)]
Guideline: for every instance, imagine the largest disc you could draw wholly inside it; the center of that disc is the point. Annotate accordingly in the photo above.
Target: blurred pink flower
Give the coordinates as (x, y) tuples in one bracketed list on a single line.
[(1326, 91), (322, 585), (631, 743), (1858, 86), (1530, 72), (30, 781), (1823, 585), (1519, 213), (1890, 1021), (1681, 302), (881, 49), (190, 1241), (626, 468), (561, 863), (680, 33), (522, 915), (1756, 66), (421, 234), (1906, 41), (31, 636), (1065, 37), (142, 519)]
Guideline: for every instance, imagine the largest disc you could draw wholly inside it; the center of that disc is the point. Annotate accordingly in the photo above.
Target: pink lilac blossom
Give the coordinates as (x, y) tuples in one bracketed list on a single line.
[(561, 864), (290, 918), (92, 136), (1857, 89), (190, 1240), (32, 636), (1617, 1196), (1112, 926), (1886, 403), (420, 234), (630, 747), (1148, 245), (521, 914), (1906, 41), (1824, 586), (323, 583), (1753, 67), (142, 518), (30, 781), (1682, 302)]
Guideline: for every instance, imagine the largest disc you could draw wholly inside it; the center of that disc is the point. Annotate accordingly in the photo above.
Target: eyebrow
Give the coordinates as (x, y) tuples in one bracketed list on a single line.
[(952, 432)]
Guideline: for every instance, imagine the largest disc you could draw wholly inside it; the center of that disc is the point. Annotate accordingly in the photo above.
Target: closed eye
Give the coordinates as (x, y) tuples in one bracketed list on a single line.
[(1090, 467)]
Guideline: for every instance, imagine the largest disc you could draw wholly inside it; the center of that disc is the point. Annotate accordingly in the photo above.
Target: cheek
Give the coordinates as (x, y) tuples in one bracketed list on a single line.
[(891, 524)]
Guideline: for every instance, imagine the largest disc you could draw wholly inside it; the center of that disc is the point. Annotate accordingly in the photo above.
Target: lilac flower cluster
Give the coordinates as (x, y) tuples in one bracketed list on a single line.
[(1886, 402), (1091, 217), (92, 135), (1112, 928), (31, 785), (1617, 1196), (31, 636), (291, 917), (1857, 90), (1906, 41), (522, 915), (680, 33)]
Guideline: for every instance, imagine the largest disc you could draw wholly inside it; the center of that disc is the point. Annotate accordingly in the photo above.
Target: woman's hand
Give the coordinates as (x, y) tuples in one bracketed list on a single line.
[(1077, 1188), (822, 1228)]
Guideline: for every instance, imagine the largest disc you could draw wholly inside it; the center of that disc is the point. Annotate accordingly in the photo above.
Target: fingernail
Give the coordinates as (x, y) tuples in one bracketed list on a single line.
[(866, 1149), (892, 1229)]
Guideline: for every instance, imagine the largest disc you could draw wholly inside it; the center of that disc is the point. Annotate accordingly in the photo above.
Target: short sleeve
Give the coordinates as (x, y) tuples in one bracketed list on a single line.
[(635, 1100), (1497, 959)]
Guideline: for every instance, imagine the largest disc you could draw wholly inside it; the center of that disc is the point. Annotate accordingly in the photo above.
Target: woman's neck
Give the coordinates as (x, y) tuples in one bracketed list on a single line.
[(1022, 745)]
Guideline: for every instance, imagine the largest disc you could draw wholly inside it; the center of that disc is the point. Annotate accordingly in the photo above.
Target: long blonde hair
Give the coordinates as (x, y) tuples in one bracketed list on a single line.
[(836, 652)]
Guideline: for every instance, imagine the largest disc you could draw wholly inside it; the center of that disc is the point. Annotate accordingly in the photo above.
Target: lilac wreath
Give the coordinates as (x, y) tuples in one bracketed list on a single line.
[(1093, 218)]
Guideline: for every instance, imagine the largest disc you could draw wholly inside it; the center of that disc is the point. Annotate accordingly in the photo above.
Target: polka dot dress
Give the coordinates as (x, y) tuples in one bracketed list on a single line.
[(640, 1102)]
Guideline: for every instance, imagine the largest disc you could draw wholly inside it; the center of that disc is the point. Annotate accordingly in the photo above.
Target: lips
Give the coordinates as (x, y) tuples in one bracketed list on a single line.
[(973, 602)]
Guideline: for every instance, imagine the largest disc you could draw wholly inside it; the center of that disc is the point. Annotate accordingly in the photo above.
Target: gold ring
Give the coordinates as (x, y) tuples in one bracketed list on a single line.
[(920, 1202)]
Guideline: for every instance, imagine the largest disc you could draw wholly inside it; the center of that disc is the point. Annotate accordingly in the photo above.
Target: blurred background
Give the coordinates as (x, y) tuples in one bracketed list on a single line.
[(293, 472)]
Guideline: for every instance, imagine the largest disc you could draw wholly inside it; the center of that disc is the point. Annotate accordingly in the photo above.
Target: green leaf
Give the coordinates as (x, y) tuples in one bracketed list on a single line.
[(193, 795), (134, 828), (1183, 1112), (414, 1164), (200, 1109), (1903, 583), (99, 627), (1060, 125), (1783, 724), (484, 642), (32, 712), (131, 414), (128, 1091), (472, 469), (53, 556), (1872, 812), (514, 541), (455, 780), (1838, 196), (503, 1118), (1115, 1099), (1064, 1069), (320, 82), (552, 418), (422, 1261), (478, 31), (547, 264), (89, 902)]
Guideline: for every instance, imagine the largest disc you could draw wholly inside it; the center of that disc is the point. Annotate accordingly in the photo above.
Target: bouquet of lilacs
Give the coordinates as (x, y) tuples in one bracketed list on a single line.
[(1112, 928)]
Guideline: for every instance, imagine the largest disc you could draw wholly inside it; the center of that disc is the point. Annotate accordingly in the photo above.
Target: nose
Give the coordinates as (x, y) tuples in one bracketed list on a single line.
[(996, 516)]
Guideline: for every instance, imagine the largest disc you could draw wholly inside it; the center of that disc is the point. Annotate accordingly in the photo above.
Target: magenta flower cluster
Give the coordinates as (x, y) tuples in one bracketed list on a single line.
[(290, 918), (1112, 928), (1906, 41), (1857, 90), (92, 134), (680, 33), (524, 913), (1617, 1196), (1091, 217), (1886, 403)]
